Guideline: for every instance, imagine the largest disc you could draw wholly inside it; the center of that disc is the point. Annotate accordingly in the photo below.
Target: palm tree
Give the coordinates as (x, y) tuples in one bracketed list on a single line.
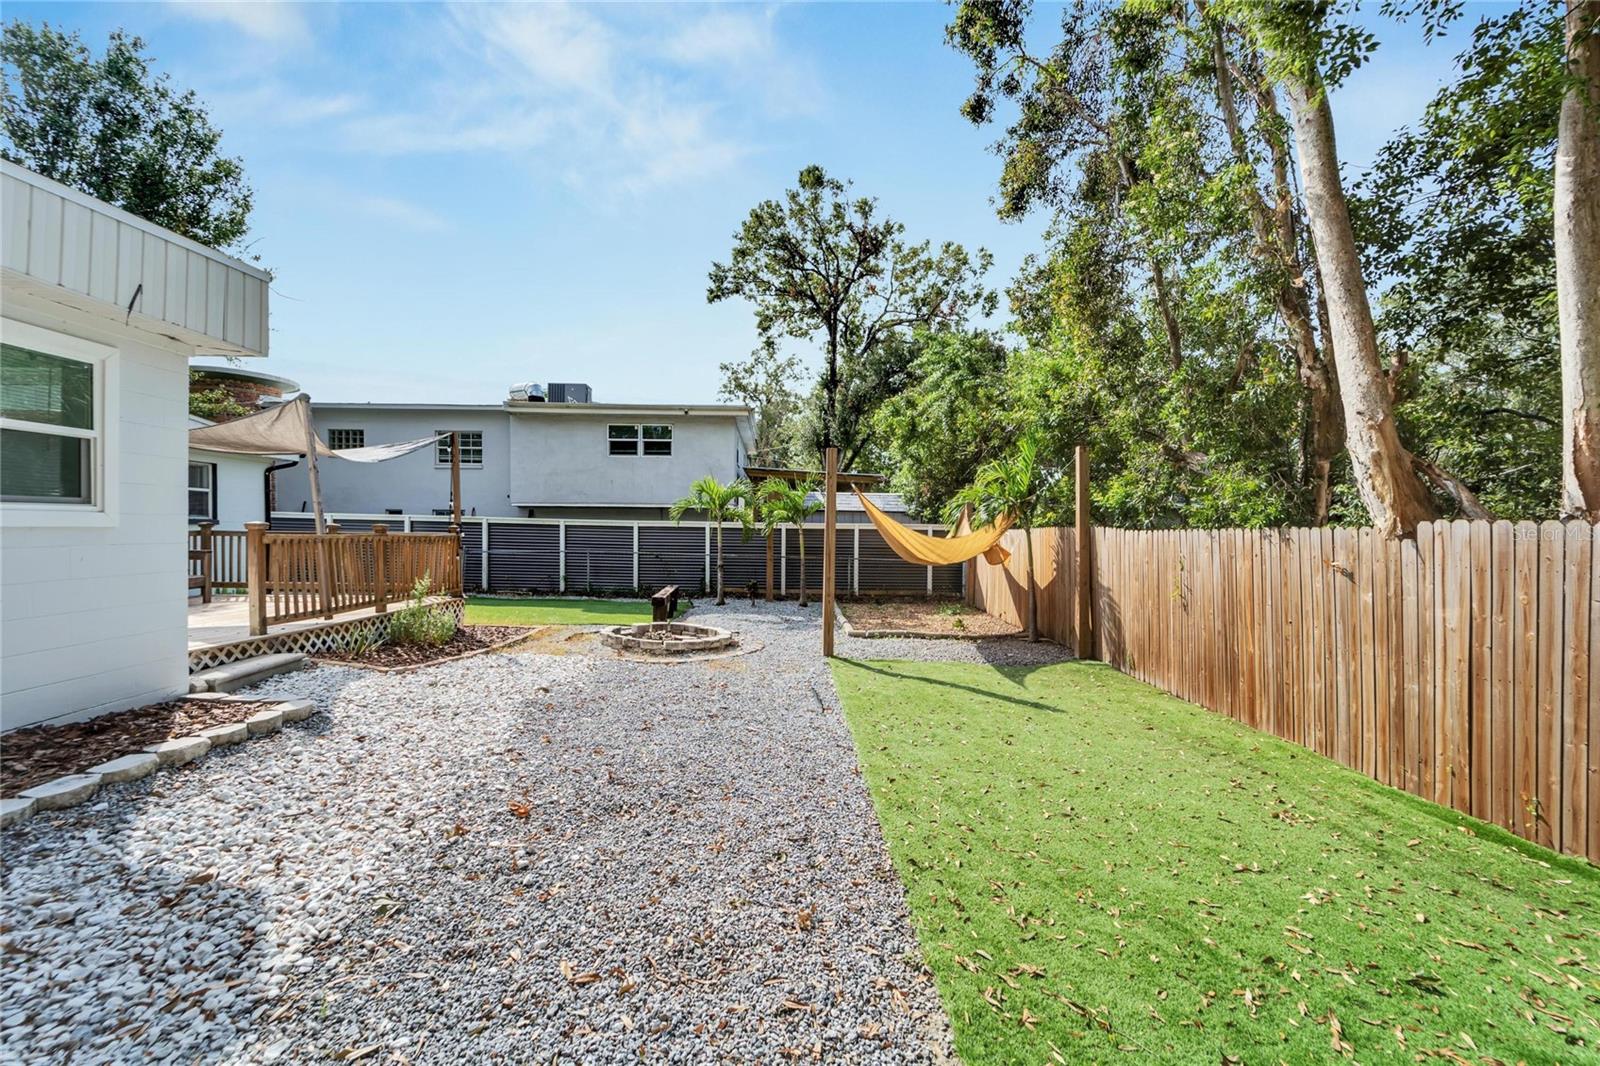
[(1011, 485), (719, 503), (784, 505)]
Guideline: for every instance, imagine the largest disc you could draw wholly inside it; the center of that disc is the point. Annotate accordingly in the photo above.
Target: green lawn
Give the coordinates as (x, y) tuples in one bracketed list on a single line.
[(1100, 872), (493, 611)]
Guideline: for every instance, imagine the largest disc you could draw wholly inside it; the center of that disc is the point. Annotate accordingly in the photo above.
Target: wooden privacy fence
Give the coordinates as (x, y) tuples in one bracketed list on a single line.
[(294, 576), (1455, 665)]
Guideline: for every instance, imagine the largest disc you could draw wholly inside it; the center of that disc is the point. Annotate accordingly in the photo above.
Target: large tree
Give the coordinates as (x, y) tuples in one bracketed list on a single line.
[(765, 383), (820, 264), (1577, 257), (111, 127)]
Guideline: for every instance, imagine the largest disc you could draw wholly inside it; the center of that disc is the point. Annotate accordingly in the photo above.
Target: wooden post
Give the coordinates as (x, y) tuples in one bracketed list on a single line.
[(829, 548), (380, 565), (207, 562), (455, 510), (324, 561), (1085, 563), (255, 569)]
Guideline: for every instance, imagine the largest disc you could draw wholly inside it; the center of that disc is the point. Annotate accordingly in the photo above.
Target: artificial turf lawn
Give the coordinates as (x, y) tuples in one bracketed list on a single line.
[(1100, 872), (493, 611)]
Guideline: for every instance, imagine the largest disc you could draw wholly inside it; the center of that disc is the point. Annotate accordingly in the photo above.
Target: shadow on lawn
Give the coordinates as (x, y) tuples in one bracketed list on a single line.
[(1014, 674)]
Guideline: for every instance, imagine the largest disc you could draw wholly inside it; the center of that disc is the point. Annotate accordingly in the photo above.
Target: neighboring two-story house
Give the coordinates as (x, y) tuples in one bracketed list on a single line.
[(527, 457)]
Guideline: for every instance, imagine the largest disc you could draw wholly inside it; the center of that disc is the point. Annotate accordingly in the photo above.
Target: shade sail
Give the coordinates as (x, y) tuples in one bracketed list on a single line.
[(923, 550), (377, 453), (276, 431)]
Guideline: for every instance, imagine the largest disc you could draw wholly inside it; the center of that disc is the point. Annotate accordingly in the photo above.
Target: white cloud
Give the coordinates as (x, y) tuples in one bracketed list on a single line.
[(399, 212), (275, 23)]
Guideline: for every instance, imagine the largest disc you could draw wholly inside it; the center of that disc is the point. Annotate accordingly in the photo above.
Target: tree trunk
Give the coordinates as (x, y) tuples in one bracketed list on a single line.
[(1277, 246), (1395, 496), (1577, 248), (801, 538), (1033, 603), (721, 599)]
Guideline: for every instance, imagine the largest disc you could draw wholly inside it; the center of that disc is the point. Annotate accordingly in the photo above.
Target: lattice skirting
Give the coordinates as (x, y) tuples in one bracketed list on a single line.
[(311, 640)]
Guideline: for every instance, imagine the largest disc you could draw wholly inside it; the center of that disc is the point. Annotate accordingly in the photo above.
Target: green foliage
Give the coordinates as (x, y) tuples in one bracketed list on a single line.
[(780, 504), (1096, 867), (420, 622), (1015, 484), (821, 265), (718, 502), (216, 404), (765, 383), (109, 126)]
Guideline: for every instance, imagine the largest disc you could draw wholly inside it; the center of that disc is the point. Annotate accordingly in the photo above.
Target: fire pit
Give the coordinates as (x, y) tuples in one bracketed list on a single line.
[(667, 638)]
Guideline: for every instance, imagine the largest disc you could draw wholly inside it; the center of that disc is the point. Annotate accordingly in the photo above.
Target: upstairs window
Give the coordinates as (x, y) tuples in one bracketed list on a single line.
[(471, 447), (340, 439), (623, 440), (639, 439), (50, 434), (657, 440)]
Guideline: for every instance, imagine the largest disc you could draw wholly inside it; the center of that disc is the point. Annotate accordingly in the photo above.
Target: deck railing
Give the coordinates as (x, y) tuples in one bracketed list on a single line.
[(295, 576), (227, 551)]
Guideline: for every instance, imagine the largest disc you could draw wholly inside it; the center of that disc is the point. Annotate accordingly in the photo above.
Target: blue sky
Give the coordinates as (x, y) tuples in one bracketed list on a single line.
[(453, 199)]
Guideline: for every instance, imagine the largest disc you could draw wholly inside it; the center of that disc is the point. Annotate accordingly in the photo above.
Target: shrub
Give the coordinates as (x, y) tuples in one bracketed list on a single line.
[(419, 622)]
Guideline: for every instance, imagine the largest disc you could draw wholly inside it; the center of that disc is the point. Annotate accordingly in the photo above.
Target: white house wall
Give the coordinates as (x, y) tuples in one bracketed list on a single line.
[(564, 460), (92, 618), (240, 487)]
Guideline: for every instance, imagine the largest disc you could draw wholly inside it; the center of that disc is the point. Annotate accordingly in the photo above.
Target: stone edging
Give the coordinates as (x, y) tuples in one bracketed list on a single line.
[(407, 668), (73, 789)]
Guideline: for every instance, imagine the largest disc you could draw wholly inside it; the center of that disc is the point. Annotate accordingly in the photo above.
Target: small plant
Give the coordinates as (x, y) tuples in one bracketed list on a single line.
[(952, 608), (360, 643), (418, 622)]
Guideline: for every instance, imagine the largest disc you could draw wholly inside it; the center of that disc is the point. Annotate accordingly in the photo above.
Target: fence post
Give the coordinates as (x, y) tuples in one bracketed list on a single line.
[(483, 557), (561, 556), (1084, 570), (830, 548), (380, 566), (255, 566)]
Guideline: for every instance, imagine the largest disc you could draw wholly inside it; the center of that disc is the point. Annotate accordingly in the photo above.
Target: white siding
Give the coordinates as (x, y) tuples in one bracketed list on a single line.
[(92, 617), (564, 460), (65, 242), (240, 487)]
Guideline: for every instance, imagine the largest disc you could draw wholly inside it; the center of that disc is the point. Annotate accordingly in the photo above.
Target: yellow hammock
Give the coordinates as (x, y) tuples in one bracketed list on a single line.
[(923, 550)]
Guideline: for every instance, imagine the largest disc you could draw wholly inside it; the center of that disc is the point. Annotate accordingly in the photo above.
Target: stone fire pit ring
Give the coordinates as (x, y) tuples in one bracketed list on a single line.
[(667, 638)]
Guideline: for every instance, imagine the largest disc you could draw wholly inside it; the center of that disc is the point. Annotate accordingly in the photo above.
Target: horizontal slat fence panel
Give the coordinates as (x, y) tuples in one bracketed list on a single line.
[(1455, 665)]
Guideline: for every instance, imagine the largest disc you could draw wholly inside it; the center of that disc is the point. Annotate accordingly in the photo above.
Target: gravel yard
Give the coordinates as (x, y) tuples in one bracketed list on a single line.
[(502, 858)]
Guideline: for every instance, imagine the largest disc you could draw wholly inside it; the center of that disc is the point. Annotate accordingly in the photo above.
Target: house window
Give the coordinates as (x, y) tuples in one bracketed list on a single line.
[(50, 432), (627, 440), (623, 440), (340, 439), (657, 440), (471, 447), (202, 492)]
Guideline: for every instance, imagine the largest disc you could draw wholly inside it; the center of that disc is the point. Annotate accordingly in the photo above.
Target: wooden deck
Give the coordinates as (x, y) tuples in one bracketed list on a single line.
[(227, 618)]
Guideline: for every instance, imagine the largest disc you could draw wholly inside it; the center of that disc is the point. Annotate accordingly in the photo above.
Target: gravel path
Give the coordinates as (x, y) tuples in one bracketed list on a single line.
[(500, 859)]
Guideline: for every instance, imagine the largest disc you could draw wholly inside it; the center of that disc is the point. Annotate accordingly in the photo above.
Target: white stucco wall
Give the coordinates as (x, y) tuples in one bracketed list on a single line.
[(92, 615), (542, 459), (564, 460), (412, 484)]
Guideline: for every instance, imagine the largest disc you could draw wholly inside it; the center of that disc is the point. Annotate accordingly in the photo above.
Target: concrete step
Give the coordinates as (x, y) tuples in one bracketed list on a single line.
[(245, 672)]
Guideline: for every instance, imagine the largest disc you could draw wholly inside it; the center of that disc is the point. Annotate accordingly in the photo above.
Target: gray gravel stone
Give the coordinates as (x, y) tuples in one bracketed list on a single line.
[(514, 857)]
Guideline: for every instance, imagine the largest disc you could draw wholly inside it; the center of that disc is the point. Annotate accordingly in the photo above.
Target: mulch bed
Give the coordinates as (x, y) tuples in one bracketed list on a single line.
[(467, 641), (41, 753), (926, 617)]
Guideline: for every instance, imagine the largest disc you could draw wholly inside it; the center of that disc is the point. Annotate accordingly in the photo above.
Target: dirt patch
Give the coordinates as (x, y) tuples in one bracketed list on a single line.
[(560, 640), (467, 641), (946, 618), (43, 753)]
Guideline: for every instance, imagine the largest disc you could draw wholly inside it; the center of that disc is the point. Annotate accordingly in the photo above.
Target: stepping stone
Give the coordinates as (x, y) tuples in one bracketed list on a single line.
[(268, 721), (127, 768), (63, 791), (16, 810), (244, 673), (297, 710), (223, 735), (179, 751)]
